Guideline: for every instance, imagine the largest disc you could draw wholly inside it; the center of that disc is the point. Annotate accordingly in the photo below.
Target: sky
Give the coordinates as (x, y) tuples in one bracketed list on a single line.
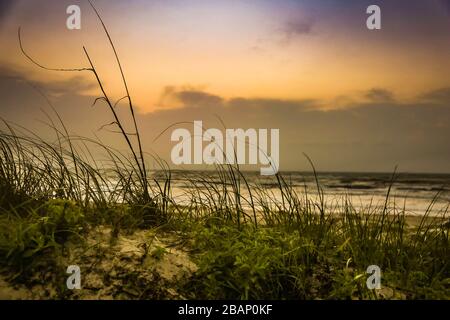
[(353, 99)]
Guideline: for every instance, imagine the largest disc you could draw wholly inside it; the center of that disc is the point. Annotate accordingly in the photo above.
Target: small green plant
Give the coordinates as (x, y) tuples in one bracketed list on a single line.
[(158, 253), (24, 239)]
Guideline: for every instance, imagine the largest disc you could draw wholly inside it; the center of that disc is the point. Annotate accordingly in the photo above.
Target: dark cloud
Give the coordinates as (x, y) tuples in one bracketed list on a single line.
[(77, 84), (23, 102), (380, 95), (374, 135), (446, 4), (188, 97), (5, 8), (198, 98), (300, 27), (296, 28), (272, 105), (73, 85), (7, 73), (192, 98), (441, 95)]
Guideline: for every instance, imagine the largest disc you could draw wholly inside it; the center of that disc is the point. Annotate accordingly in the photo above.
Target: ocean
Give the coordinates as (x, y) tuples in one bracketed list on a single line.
[(412, 192)]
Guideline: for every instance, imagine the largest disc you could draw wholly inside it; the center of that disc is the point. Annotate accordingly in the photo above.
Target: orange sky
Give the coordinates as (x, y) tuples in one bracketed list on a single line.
[(238, 48)]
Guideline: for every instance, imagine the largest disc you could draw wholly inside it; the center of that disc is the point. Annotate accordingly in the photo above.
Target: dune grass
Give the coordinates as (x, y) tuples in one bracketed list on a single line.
[(246, 247)]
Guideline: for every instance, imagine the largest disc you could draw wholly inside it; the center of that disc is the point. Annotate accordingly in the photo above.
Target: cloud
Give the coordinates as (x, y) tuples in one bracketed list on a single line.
[(441, 95), (5, 8), (380, 95), (74, 85), (23, 102), (446, 4), (374, 135), (198, 98), (188, 97), (194, 98), (296, 28)]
